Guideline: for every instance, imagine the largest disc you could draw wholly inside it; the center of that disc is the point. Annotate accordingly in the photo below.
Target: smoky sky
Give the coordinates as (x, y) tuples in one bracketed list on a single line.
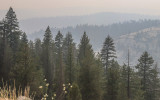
[(47, 8)]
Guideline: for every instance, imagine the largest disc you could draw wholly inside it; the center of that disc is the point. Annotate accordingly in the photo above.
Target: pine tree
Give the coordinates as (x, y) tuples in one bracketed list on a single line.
[(59, 66), (12, 29), (5, 51), (84, 48), (144, 71), (38, 47), (1, 46), (47, 61), (89, 80), (6, 62), (25, 72), (58, 41), (108, 51), (112, 81), (46, 53), (69, 58), (102, 77), (122, 84), (136, 92), (128, 77), (31, 46), (155, 83), (122, 93), (3, 37), (20, 70), (10, 33)]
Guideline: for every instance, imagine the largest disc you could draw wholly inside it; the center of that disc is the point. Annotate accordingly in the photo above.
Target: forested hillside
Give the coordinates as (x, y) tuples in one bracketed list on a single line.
[(100, 32), (55, 67), (146, 39), (119, 32), (105, 18)]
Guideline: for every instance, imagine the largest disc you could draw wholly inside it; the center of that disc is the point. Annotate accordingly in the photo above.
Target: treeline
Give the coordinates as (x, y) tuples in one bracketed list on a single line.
[(55, 68), (115, 30)]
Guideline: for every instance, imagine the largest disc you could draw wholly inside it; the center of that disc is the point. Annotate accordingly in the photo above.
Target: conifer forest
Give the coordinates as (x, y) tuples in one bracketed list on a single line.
[(58, 68)]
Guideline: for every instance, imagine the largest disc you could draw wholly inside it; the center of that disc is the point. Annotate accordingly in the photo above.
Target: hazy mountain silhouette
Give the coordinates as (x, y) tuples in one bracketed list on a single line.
[(106, 18)]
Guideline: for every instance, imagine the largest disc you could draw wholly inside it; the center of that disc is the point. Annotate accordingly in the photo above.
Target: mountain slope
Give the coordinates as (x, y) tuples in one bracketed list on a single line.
[(106, 18), (138, 42), (137, 36), (97, 34)]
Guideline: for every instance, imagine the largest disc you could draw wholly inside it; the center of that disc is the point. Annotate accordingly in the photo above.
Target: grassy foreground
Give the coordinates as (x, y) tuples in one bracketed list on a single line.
[(11, 93)]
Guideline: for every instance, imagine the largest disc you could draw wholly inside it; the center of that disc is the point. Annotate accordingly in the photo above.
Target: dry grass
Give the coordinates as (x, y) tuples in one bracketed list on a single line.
[(8, 93)]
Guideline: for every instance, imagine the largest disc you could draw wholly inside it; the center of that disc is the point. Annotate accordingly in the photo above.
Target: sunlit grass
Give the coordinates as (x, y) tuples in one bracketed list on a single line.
[(10, 93)]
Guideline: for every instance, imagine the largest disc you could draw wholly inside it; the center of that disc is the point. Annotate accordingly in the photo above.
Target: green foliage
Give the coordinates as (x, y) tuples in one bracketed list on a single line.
[(89, 79), (69, 58), (38, 48), (145, 72), (47, 58), (46, 55), (25, 71), (6, 62), (155, 83), (74, 93), (85, 48), (122, 92), (122, 86), (12, 29), (108, 51), (58, 41), (60, 80), (10, 34), (112, 81), (60, 62), (139, 95)]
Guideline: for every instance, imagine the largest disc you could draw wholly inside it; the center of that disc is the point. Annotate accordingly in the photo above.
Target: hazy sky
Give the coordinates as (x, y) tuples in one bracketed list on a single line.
[(47, 8)]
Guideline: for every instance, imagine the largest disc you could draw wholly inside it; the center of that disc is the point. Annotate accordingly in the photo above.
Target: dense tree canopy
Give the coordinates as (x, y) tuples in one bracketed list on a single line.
[(58, 69)]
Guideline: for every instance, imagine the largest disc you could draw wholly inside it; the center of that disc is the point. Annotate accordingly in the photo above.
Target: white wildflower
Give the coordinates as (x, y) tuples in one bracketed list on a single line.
[(47, 84), (40, 87)]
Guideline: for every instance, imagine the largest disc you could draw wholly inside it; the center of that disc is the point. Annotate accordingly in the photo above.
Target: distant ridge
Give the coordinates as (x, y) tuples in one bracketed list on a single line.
[(97, 33), (106, 18), (144, 40)]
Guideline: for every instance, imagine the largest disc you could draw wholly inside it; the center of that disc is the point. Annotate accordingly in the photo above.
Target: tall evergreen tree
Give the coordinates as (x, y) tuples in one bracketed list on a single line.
[(38, 47), (122, 84), (59, 66), (13, 32), (89, 80), (112, 81), (108, 51), (135, 85), (22, 65), (137, 93), (58, 41), (3, 44), (101, 77), (69, 58), (155, 85), (25, 72), (144, 70), (10, 33), (32, 47), (3, 37), (6, 52), (84, 47), (47, 59)]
